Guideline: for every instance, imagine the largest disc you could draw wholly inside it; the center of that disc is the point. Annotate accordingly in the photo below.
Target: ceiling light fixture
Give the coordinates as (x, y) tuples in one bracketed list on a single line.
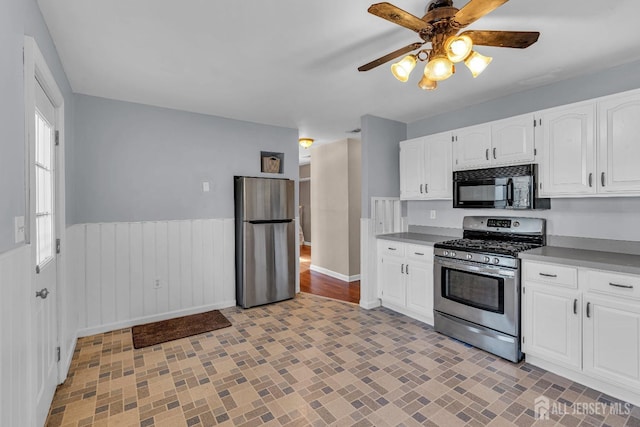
[(403, 68), (305, 142), (439, 27)]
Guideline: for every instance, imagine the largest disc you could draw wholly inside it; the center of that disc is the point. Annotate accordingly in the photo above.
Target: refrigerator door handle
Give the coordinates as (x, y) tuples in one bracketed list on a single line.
[(269, 221)]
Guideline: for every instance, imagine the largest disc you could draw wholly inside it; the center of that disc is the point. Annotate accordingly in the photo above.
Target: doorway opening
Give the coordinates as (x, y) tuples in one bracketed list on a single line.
[(315, 282)]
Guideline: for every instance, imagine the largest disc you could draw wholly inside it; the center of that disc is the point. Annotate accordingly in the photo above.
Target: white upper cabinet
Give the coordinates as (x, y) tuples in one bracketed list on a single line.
[(591, 148), (437, 166), (503, 142), (619, 144), (472, 146), (568, 150), (425, 168), (512, 140), (411, 169)]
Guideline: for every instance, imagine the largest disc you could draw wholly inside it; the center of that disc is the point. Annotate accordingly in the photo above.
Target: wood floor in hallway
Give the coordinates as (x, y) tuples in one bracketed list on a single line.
[(316, 283)]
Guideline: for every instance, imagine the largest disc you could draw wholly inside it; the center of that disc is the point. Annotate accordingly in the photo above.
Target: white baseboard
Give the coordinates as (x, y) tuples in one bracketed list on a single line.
[(154, 318), (66, 363), (368, 305), (334, 274)]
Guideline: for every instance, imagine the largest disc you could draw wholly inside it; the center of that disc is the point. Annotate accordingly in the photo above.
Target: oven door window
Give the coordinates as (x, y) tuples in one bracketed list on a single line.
[(474, 290)]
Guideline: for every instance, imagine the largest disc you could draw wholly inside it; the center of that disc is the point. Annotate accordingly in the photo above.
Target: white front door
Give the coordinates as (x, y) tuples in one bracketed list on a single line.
[(42, 212)]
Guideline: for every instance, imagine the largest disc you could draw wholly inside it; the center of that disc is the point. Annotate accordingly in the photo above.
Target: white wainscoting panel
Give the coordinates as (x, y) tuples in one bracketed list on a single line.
[(130, 273), (368, 264), (15, 288)]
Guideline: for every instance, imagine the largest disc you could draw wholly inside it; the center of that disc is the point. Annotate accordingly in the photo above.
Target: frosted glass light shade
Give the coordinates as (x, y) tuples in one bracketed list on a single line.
[(477, 63), (403, 68), (458, 48), (426, 84), (438, 68), (305, 142)]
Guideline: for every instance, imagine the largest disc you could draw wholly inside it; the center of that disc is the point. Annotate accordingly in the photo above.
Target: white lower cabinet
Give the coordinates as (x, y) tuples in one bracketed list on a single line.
[(583, 324), (552, 328), (405, 278)]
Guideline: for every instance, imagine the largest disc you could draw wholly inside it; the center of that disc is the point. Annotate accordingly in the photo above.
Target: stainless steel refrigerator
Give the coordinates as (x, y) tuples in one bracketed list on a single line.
[(265, 240)]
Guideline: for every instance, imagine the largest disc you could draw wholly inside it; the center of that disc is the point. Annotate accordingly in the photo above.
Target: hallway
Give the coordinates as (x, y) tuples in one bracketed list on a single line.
[(320, 284)]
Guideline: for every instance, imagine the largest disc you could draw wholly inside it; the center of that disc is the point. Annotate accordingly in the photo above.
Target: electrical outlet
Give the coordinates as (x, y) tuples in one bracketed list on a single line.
[(433, 214), (157, 284)]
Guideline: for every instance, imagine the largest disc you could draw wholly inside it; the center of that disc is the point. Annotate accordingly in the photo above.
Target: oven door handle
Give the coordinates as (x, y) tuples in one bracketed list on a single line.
[(510, 192), (465, 266)]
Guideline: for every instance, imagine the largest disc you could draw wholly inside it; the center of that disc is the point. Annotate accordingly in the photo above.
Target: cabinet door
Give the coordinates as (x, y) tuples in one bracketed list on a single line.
[(437, 166), (411, 181), (568, 145), (619, 144), (612, 340), (551, 324), (472, 147), (512, 140), (392, 280), (420, 289)]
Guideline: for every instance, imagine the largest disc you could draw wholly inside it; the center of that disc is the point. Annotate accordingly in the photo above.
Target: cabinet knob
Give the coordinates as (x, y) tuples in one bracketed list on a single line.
[(602, 179), (494, 153), (486, 154), (590, 179)]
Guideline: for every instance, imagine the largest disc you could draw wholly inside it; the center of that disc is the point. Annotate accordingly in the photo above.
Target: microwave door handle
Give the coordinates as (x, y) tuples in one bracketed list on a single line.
[(510, 192)]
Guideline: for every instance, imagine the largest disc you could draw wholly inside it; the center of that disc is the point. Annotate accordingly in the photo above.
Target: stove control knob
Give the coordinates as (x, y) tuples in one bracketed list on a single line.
[(453, 254), (487, 259), (446, 253), (469, 256), (516, 224), (496, 260)]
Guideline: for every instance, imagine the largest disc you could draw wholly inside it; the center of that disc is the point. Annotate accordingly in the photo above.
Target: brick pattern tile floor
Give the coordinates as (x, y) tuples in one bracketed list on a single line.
[(313, 361)]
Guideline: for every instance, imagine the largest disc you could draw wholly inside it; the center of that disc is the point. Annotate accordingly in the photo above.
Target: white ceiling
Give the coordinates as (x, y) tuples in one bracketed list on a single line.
[(294, 63)]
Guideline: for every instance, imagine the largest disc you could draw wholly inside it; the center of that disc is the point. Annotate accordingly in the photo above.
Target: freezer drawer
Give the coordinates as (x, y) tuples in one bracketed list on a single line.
[(268, 268)]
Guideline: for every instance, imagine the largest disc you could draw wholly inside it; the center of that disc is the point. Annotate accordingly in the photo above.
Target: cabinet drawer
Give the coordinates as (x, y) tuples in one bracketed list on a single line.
[(419, 253), (623, 285), (389, 247), (560, 275)]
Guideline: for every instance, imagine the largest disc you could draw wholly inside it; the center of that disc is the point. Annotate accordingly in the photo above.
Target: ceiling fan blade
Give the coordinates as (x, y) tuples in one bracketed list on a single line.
[(475, 10), (516, 39), (397, 16), (388, 57)]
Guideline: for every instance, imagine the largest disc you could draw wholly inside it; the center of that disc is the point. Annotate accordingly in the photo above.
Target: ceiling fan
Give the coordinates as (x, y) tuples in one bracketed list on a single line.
[(440, 27)]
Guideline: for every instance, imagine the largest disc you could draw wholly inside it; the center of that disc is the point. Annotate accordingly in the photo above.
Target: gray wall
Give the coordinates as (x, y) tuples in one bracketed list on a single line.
[(139, 163), (19, 17), (617, 79), (380, 159), (605, 218)]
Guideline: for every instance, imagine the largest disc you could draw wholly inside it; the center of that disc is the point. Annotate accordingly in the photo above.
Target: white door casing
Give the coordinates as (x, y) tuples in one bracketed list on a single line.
[(44, 114)]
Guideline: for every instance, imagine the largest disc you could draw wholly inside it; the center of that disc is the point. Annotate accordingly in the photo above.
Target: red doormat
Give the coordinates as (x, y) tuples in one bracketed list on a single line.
[(180, 327)]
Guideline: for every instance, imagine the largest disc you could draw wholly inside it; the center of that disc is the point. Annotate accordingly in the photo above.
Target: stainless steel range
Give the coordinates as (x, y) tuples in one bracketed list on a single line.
[(477, 282)]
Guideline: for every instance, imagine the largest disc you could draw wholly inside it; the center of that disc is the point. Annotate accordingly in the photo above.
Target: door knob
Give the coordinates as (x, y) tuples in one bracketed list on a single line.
[(42, 293)]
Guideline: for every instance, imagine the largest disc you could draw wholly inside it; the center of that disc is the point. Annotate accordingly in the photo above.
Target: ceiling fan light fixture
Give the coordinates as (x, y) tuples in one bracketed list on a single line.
[(426, 84), (458, 48), (476, 63), (439, 68), (305, 142), (403, 68)]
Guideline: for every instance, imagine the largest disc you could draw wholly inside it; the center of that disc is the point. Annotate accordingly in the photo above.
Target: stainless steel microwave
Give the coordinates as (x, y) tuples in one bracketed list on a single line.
[(508, 187)]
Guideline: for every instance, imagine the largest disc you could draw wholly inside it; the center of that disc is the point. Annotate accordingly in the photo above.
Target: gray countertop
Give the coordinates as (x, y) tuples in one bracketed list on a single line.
[(415, 238), (610, 261)]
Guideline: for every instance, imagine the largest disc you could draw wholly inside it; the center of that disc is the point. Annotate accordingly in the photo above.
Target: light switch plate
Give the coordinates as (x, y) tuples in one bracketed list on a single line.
[(19, 228), (433, 214), (205, 186)]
